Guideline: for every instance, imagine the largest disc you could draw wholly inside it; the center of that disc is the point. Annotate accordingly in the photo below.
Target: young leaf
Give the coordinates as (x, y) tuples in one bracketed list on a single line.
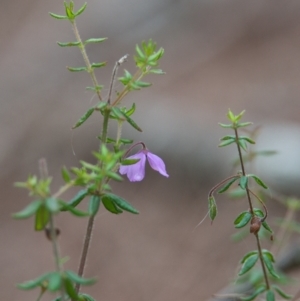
[(267, 227), (84, 118), (157, 71), (69, 288), (131, 122), (226, 186), (41, 218), (243, 124), (248, 255), (29, 210), (77, 69), (248, 264), (68, 44), (52, 205), (120, 202), (257, 292), (80, 280), (270, 296), (54, 282), (226, 126), (242, 220), (281, 292), (65, 174), (28, 285), (212, 207), (269, 254), (142, 84), (81, 9), (226, 142), (238, 117), (270, 266), (98, 40), (94, 204), (98, 65), (247, 139), (258, 181), (59, 17), (71, 209), (231, 116), (242, 144), (227, 137), (77, 199), (244, 182), (110, 206)]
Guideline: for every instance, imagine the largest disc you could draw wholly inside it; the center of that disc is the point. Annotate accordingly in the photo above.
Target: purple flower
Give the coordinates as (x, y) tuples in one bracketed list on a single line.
[(136, 172)]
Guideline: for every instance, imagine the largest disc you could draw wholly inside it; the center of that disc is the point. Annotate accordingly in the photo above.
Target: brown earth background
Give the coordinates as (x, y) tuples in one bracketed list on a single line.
[(218, 54)]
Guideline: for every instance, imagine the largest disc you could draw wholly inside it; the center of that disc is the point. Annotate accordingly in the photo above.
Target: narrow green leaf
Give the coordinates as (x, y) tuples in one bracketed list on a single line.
[(131, 122), (238, 117), (71, 209), (98, 65), (142, 84), (117, 112), (131, 110), (270, 266), (52, 205), (270, 296), (248, 255), (244, 182), (269, 254), (247, 139), (212, 207), (94, 204), (120, 202), (41, 218), (156, 55), (242, 144), (227, 137), (115, 176), (59, 17), (133, 86), (81, 9), (65, 174), (258, 212), (54, 282), (69, 12), (69, 288), (243, 124), (242, 220), (95, 89), (157, 71), (230, 116), (79, 280), (77, 69), (281, 292), (77, 199), (28, 210), (267, 227), (248, 264), (82, 119), (227, 185), (226, 126), (86, 297), (93, 40), (68, 44), (258, 181), (28, 285), (110, 206), (126, 141), (227, 142), (257, 292)]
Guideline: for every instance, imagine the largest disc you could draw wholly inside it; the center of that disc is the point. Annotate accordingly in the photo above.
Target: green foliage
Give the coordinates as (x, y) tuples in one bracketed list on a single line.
[(248, 262), (212, 208), (243, 219)]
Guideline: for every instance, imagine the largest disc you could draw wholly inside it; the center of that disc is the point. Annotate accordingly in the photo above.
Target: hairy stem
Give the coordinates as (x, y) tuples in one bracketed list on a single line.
[(86, 59), (252, 212)]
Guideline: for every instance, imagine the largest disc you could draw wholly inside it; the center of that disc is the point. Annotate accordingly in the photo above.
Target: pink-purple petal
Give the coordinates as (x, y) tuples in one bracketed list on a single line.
[(135, 172), (157, 164)]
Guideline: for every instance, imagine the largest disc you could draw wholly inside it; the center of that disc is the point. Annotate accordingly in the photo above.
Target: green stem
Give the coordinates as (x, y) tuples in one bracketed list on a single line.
[(252, 212), (86, 59)]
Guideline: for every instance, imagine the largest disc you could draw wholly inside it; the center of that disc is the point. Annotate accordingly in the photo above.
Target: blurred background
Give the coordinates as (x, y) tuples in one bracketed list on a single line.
[(218, 55)]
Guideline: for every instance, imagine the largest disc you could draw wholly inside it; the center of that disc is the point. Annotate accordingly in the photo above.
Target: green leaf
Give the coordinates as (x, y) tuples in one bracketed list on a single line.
[(139, 52), (227, 185), (157, 71), (52, 205), (28, 285), (94, 204), (120, 202), (110, 206), (41, 218), (242, 144), (247, 139), (243, 124), (77, 69), (281, 292), (227, 137), (142, 84), (212, 208), (28, 210), (68, 44), (258, 212), (86, 297), (126, 141), (270, 296), (129, 161), (79, 280), (270, 266), (69, 287), (244, 182), (267, 227), (131, 122), (227, 142), (82, 119), (248, 255), (258, 181), (93, 40), (71, 209), (269, 255), (248, 264), (226, 126), (65, 175), (59, 17), (238, 117), (81, 9), (98, 65), (242, 220), (54, 282), (257, 292), (77, 199), (231, 116)]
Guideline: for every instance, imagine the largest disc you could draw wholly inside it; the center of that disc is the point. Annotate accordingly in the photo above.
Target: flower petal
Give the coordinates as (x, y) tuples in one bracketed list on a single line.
[(157, 164), (135, 172)]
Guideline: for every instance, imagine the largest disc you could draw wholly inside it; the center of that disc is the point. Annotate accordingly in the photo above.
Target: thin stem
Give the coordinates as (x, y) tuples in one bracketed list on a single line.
[(86, 59), (63, 189), (262, 203), (252, 212), (221, 183)]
